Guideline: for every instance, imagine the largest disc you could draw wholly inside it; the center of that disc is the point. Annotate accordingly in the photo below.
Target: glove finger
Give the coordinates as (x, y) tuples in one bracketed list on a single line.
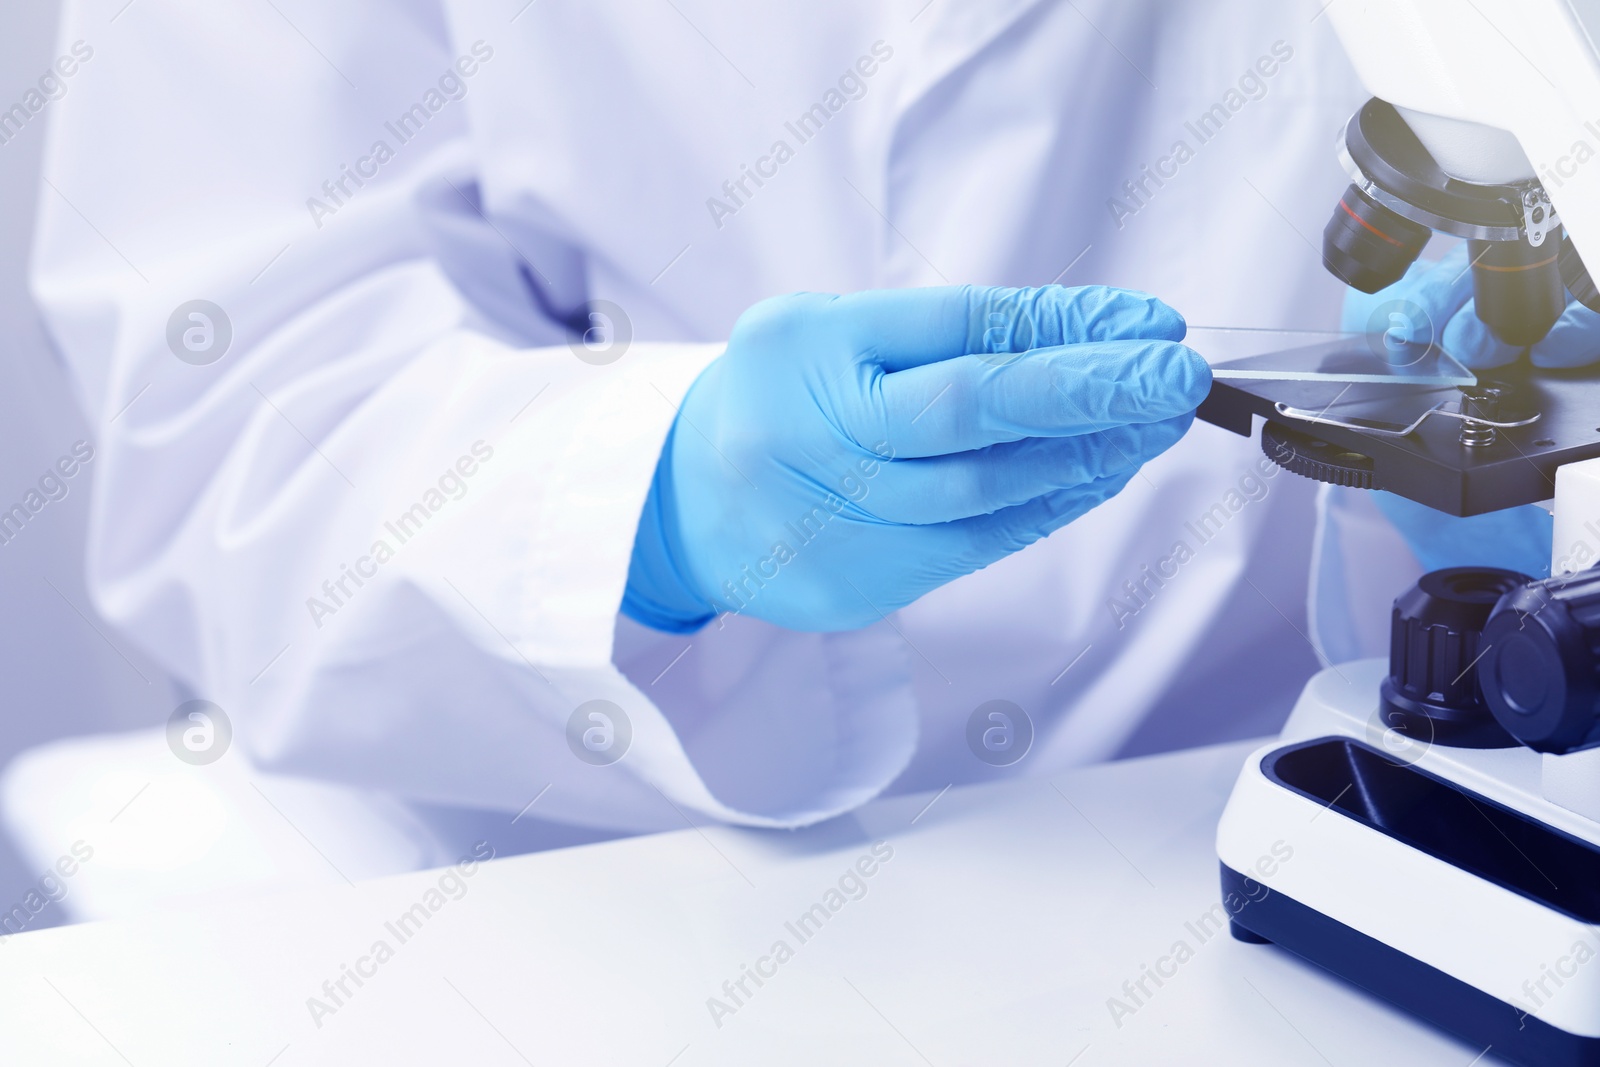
[(1574, 341), (977, 542), (901, 328), (945, 488), (1469, 341), (970, 402), (1416, 308)]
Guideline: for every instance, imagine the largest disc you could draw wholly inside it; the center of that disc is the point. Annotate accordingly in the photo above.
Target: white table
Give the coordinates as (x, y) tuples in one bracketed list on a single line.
[(1006, 918)]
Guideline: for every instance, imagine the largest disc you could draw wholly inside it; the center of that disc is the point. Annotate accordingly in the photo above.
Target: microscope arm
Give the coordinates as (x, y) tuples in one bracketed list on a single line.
[(1524, 67)]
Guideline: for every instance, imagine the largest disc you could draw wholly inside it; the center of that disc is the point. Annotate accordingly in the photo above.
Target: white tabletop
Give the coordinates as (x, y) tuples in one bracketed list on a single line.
[(996, 933)]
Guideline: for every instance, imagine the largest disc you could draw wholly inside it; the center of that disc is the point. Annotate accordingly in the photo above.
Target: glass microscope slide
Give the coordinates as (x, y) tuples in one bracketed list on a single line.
[(1304, 355)]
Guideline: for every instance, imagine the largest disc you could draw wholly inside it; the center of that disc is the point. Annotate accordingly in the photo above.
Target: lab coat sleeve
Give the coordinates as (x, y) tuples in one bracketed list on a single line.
[(1359, 564), (388, 544)]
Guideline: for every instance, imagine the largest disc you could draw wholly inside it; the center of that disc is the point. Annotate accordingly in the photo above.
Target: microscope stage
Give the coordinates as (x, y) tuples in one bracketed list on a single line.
[(1430, 465)]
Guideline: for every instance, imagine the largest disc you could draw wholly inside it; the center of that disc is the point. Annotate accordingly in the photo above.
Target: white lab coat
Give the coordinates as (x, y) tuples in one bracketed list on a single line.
[(389, 332)]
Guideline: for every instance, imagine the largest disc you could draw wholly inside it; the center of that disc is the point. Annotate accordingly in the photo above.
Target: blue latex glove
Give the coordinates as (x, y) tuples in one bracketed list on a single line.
[(1433, 304), (1517, 538), (847, 454)]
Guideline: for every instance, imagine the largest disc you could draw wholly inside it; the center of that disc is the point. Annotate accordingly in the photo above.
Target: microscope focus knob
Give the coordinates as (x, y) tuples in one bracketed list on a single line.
[(1432, 694), (1540, 667)]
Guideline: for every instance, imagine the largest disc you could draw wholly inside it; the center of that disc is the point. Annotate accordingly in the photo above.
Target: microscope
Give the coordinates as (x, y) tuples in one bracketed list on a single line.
[(1443, 805)]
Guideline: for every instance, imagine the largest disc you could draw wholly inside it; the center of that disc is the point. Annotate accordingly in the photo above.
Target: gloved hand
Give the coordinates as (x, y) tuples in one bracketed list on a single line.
[(1437, 307), (847, 454)]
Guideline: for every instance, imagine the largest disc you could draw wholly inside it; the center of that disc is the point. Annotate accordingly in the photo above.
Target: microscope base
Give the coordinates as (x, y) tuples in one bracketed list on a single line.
[(1406, 982), (1441, 880)]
